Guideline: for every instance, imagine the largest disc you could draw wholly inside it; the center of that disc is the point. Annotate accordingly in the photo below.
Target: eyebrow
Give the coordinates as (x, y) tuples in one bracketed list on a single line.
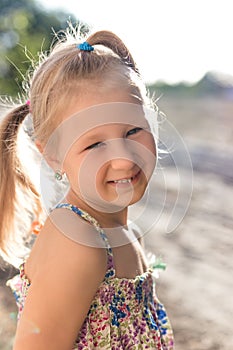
[(97, 135), (93, 137), (86, 140)]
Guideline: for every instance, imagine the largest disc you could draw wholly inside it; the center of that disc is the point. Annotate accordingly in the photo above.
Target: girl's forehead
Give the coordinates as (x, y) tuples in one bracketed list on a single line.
[(103, 116), (91, 101), (106, 130)]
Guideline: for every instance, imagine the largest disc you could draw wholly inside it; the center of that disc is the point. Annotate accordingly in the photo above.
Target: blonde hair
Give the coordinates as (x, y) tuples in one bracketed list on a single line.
[(65, 71)]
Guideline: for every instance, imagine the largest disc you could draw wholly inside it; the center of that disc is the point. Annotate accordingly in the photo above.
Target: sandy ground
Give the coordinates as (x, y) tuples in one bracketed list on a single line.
[(197, 284)]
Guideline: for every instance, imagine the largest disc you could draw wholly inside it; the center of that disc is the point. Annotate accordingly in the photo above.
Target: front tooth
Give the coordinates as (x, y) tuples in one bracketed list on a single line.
[(123, 181)]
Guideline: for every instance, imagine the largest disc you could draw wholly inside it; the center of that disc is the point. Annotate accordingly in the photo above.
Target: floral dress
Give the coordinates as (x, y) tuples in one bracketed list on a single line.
[(124, 314)]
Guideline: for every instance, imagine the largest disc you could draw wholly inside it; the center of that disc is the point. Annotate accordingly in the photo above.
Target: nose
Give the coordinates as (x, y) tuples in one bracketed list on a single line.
[(122, 155), (121, 163)]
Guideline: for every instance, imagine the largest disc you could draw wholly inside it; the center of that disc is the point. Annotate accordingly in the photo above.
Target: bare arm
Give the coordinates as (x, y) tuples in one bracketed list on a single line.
[(60, 295)]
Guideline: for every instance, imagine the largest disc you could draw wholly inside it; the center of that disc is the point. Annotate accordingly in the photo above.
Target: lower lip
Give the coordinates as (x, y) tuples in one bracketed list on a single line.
[(126, 184)]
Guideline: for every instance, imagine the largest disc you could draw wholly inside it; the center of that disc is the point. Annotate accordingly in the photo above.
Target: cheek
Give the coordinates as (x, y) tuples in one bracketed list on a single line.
[(71, 167), (101, 174), (87, 169), (149, 143)]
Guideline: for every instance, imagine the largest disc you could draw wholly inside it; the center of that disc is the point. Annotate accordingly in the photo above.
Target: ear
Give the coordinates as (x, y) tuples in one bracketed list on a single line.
[(52, 161)]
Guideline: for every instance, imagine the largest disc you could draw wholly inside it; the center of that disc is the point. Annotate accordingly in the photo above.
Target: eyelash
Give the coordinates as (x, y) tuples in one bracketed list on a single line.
[(98, 144), (94, 145), (136, 130)]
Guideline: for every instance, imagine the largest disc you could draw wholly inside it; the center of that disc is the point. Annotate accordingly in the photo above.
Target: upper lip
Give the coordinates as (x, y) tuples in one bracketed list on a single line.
[(126, 177)]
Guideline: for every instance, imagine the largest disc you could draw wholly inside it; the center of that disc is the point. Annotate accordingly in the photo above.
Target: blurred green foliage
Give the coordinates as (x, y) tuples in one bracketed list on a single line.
[(26, 28)]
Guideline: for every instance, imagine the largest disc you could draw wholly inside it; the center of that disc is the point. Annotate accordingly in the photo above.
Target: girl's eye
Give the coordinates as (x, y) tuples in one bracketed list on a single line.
[(94, 145), (133, 131)]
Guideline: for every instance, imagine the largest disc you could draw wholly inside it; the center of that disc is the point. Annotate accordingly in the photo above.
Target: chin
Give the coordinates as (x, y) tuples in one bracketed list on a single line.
[(136, 199)]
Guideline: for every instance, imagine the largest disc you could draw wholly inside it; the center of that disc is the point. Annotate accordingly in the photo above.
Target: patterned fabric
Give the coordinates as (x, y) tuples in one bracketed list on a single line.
[(125, 313)]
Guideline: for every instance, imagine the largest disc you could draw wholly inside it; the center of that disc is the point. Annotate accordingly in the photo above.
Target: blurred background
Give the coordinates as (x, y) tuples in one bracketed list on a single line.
[(184, 52)]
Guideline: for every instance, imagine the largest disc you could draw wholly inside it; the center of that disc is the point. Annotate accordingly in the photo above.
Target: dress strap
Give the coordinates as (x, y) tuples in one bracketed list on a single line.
[(110, 265)]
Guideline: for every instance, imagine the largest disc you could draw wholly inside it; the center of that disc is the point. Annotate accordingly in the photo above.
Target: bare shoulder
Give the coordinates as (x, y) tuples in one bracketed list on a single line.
[(63, 286), (68, 242)]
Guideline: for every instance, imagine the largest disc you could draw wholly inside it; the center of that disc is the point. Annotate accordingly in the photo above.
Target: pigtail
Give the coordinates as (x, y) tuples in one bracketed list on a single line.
[(113, 42), (11, 173)]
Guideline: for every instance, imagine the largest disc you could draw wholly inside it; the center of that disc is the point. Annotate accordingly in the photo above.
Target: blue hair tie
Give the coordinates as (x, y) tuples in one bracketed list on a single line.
[(85, 46)]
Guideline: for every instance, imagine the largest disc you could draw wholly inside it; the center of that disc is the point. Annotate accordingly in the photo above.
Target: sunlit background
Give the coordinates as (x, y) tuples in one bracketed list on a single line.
[(184, 51), (171, 40)]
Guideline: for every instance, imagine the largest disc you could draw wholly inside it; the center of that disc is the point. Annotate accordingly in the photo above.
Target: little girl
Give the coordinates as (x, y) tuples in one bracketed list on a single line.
[(86, 283)]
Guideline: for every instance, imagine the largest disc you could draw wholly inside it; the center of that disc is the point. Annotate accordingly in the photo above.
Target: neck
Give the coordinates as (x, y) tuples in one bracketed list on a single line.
[(105, 219), (109, 220)]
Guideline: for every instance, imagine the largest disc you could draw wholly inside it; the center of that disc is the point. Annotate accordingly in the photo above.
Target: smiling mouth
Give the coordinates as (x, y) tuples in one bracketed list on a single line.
[(126, 180)]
